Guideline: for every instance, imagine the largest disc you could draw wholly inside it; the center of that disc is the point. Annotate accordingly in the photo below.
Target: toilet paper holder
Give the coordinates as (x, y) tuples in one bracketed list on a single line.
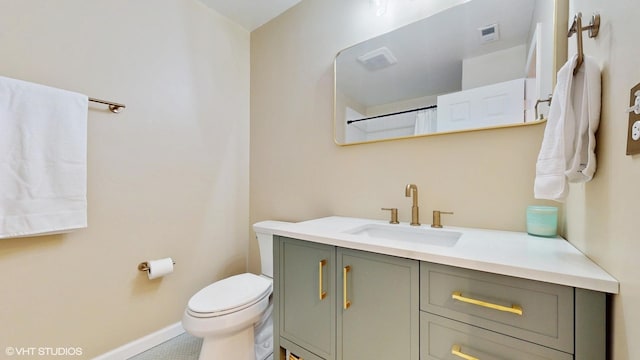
[(144, 266)]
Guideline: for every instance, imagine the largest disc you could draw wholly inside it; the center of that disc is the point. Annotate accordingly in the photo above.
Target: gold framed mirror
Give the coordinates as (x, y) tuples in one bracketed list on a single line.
[(482, 64)]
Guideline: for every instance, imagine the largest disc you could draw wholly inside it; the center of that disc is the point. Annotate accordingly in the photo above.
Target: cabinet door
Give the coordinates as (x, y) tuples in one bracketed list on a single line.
[(378, 316), (307, 297)]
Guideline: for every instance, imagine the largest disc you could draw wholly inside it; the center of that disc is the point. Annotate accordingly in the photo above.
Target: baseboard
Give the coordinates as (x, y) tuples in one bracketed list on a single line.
[(143, 344)]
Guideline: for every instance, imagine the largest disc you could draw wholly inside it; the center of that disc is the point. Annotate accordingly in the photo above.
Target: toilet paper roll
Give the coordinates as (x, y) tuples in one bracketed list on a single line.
[(159, 268)]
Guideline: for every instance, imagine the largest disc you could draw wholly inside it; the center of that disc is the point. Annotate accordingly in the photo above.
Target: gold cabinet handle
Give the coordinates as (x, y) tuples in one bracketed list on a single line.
[(321, 293), (455, 350), (345, 302), (294, 357), (514, 309)]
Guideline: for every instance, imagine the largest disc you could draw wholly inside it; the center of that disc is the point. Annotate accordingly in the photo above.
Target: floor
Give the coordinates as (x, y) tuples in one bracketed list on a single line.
[(181, 347)]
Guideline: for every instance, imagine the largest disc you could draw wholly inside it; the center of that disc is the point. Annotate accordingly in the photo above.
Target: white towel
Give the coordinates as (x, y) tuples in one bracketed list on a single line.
[(587, 103), (43, 156), (568, 147)]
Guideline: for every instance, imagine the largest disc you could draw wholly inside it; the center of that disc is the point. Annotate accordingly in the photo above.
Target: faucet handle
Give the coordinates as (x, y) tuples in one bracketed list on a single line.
[(436, 218), (394, 215)]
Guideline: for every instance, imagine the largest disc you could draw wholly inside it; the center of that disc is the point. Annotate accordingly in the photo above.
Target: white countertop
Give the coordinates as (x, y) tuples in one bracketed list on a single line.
[(552, 260)]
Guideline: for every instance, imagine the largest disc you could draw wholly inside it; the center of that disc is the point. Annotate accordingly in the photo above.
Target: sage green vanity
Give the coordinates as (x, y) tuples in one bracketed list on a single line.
[(370, 307), (341, 297)]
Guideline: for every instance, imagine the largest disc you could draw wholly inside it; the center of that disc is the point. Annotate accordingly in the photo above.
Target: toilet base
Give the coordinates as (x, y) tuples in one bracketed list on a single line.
[(237, 346)]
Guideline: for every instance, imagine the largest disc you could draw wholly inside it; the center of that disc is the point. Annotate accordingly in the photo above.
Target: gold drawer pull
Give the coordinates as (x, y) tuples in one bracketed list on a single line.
[(293, 357), (514, 309), (345, 301), (455, 350), (321, 293)]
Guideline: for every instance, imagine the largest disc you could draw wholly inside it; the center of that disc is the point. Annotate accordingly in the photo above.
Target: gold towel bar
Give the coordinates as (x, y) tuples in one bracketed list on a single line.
[(113, 107)]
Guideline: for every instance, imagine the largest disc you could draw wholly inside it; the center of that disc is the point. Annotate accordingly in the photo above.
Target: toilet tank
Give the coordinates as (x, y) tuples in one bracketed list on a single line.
[(264, 234)]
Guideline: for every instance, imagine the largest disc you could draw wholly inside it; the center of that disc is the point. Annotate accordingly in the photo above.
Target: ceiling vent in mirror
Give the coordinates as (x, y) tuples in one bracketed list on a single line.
[(377, 59), (489, 33)]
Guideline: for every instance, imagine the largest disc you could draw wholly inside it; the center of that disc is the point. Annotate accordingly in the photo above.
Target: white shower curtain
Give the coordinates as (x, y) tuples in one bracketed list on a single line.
[(426, 121)]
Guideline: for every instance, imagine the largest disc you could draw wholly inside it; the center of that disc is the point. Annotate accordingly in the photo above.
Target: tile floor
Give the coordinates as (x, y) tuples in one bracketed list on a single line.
[(181, 347)]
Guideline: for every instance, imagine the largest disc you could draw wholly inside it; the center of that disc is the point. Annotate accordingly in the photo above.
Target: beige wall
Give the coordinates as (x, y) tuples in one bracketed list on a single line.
[(602, 216), (167, 177), (498, 66), (298, 173)]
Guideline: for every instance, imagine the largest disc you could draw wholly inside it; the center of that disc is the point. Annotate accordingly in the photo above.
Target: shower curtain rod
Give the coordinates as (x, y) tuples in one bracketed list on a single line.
[(391, 114), (113, 107)]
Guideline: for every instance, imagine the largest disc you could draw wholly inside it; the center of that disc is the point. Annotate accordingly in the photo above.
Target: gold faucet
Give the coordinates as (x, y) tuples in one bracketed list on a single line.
[(415, 221)]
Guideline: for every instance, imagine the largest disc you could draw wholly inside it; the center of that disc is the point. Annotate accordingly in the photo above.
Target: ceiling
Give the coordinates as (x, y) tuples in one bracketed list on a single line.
[(250, 14), (430, 52)]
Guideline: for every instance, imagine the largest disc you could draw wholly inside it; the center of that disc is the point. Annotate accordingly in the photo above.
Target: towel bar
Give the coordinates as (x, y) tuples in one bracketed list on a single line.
[(548, 100), (113, 107)]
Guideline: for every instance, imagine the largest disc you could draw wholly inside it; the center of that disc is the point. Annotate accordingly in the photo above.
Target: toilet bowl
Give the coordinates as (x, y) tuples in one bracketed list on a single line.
[(224, 313)]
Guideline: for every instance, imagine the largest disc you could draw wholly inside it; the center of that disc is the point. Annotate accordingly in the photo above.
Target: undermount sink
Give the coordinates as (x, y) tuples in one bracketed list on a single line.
[(416, 235)]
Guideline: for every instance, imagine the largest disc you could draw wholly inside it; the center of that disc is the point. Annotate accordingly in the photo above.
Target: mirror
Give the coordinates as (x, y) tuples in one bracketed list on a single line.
[(481, 64)]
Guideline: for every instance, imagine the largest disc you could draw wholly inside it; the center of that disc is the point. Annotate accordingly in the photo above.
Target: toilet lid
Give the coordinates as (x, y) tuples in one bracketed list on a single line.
[(230, 293)]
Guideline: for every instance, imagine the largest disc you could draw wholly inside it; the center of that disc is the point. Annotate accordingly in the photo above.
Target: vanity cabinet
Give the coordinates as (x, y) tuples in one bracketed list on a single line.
[(482, 315), (333, 303), (378, 301), (443, 338), (305, 296), (338, 304)]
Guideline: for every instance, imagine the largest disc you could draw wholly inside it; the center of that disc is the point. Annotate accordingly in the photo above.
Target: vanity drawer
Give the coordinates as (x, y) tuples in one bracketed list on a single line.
[(493, 302), (440, 337)]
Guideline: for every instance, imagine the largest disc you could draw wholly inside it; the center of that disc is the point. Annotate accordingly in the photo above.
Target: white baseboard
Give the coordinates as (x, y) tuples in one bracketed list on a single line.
[(143, 344)]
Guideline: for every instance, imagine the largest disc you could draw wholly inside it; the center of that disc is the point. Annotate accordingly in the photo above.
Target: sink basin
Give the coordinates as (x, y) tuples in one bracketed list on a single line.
[(416, 235)]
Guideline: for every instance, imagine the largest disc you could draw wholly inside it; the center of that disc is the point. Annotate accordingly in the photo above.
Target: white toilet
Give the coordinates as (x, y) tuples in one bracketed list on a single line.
[(225, 313)]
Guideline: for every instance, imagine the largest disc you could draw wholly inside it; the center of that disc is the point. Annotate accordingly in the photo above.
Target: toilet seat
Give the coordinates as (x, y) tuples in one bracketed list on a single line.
[(229, 295)]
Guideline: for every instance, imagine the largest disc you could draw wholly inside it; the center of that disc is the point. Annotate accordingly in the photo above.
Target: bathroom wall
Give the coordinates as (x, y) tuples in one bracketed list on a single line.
[(169, 176), (498, 66), (602, 215), (298, 173)]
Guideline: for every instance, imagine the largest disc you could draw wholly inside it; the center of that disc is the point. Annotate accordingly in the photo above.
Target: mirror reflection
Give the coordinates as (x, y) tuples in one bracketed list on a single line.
[(480, 64)]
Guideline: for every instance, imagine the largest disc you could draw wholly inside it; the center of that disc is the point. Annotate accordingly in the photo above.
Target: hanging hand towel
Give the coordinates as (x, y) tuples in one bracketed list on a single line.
[(567, 151), (43, 154), (586, 107)]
